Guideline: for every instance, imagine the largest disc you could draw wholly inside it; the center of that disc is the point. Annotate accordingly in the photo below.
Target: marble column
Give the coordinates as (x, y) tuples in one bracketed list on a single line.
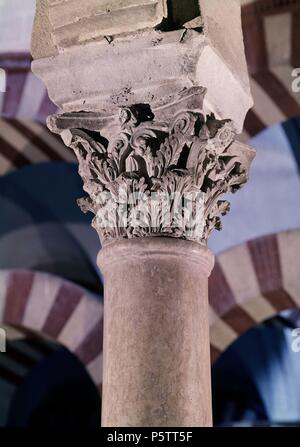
[(153, 97), (156, 342)]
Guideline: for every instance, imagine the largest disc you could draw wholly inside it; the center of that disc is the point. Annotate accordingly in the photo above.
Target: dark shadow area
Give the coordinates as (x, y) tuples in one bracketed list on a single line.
[(256, 380), (179, 12), (44, 385)]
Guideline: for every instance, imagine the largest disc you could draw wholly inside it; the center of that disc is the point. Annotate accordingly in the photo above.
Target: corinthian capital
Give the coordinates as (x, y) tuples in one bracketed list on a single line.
[(152, 177)]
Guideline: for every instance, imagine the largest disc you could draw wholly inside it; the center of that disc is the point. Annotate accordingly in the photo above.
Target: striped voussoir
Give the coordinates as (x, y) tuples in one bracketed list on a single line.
[(24, 108), (58, 309), (251, 283), (271, 58), (18, 361), (28, 142)]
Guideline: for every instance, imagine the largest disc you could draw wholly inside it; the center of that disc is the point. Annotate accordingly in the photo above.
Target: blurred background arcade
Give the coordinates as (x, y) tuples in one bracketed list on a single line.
[(51, 291)]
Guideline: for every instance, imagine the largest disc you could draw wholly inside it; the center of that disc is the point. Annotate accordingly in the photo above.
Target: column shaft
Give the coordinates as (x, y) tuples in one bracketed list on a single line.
[(156, 333)]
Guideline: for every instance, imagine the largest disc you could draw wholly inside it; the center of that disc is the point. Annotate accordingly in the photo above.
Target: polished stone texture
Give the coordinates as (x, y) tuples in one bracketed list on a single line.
[(156, 333)]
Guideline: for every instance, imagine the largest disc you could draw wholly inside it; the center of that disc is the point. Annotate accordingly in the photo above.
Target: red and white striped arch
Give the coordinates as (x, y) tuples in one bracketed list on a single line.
[(251, 283), (25, 142), (58, 309), (272, 43)]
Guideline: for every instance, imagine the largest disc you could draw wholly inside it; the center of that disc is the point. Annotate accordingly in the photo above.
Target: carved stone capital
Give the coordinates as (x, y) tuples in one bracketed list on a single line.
[(99, 55), (156, 178)]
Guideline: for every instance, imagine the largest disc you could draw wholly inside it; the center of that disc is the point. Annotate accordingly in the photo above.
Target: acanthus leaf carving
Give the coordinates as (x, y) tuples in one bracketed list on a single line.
[(128, 178)]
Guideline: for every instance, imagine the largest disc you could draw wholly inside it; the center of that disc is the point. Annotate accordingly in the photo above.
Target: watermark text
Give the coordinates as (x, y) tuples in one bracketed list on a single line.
[(296, 342), (296, 81), (2, 81), (2, 340)]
